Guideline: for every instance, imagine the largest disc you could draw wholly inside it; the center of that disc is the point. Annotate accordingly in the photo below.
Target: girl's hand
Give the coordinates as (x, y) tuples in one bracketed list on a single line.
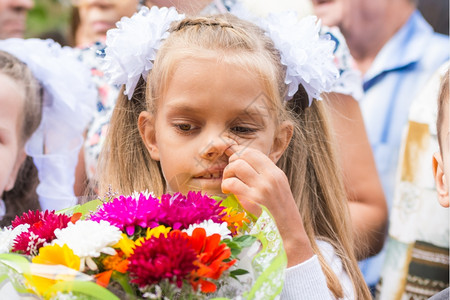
[(255, 180)]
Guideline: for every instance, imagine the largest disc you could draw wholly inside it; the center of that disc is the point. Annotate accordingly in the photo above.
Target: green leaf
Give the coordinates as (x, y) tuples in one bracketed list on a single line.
[(88, 288), (88, 207), (234, 247), (68, 211), (245, 241), (238, 272), (85, 209), (123, 280), (233, 202)]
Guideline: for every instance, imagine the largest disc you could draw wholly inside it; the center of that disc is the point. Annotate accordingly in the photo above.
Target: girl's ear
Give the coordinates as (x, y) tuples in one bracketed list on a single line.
[(146, 124), (15, 171), (281, 141), (441, 183)]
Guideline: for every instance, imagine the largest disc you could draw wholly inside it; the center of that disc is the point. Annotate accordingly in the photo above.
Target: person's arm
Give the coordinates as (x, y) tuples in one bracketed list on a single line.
[(307, 280), (81, 180), (367, 202)]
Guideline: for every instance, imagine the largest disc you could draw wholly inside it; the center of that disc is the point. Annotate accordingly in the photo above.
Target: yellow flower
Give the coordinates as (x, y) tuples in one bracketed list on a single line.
[(157, 231), (43, 277), (154, 232), (126, 245)]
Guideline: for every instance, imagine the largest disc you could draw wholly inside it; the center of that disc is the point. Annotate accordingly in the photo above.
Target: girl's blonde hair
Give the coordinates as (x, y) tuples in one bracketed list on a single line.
[(309, 161), (23, 197)]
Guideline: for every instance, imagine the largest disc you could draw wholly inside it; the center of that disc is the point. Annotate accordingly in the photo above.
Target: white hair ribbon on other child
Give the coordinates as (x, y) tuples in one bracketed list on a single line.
[(131, 47), (308, 57), (69, 98)]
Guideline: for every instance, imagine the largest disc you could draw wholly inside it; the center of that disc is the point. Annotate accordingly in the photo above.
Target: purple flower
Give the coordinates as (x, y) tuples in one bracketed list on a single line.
[(178, 211), (128, 212)]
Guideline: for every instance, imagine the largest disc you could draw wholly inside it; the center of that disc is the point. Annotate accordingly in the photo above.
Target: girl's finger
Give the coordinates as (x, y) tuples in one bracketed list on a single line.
[(255, 158), (235, 186), (242, 170)]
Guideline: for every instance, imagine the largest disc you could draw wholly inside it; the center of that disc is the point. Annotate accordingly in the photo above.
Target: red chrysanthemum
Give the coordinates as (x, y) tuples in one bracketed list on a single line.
[(29, 218), (178, 211), (127, 212), (159, 258), (42, 228), (211, 260)]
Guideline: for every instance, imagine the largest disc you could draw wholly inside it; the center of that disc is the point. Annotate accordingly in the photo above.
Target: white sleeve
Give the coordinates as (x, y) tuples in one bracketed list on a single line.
[(307, 280)]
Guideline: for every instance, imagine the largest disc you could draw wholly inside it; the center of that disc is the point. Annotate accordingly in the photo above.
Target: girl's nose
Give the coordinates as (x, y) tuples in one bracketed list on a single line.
[(216, 147)]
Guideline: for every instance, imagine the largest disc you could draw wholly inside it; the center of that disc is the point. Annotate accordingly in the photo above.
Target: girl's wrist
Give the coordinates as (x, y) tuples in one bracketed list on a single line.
[(298, 249)]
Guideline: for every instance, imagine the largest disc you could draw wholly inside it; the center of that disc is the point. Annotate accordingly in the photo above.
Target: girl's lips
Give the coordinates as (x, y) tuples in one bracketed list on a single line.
[(210, 175)]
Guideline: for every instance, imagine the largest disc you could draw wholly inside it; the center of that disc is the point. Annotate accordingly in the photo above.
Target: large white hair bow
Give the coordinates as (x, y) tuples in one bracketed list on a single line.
[(308, 57), (131, 47)]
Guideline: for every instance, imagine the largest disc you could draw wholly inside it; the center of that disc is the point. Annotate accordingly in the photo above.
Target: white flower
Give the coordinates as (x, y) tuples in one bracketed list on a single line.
[(8, 235), (307, 56), (88, 239), (211, 228), (146, 194), (131, 47)]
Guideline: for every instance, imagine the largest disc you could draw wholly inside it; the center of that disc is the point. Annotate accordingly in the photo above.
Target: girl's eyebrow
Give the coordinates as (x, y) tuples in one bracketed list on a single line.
[(182, 107)]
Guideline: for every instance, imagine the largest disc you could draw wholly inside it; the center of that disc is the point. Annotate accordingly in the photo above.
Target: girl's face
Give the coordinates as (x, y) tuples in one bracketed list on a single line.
[(12, 153), (207, 107)]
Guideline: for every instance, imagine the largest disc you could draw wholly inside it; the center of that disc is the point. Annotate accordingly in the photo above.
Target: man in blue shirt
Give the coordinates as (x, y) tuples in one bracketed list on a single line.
[(397, 51)]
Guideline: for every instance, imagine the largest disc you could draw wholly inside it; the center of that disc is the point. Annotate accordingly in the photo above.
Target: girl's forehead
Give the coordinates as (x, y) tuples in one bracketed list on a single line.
[(201, 83)]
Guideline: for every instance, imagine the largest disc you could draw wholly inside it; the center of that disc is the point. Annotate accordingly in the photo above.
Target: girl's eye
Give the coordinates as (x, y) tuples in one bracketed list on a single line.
[(185, 128), (242, 130)]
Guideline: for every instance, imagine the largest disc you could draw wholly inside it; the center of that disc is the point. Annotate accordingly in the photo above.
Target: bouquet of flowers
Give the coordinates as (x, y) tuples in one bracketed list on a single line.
[(143, 247)]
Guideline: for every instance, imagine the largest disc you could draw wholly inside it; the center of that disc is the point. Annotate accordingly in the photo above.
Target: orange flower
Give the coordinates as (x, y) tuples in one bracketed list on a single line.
[(210, 263), (234, 219), (112, 263)]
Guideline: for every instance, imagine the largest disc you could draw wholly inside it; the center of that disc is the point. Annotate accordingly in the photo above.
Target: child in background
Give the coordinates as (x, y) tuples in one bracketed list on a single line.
[(204, 108), (416, 264), (47, 98), (441, 160), (20, 116)]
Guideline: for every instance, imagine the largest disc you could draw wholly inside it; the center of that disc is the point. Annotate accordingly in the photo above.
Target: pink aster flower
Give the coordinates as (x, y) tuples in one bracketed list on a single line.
[(128, 212), (41, 231), (170, 257), (178, 211)]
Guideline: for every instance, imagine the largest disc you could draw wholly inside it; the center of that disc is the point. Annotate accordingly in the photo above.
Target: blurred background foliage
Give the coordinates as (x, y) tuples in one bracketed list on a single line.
[(48, 17)]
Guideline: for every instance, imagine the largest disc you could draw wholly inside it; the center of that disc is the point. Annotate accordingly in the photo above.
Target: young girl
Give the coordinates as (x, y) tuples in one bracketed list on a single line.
[(19, 118), (212, 115), (47, 98)]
